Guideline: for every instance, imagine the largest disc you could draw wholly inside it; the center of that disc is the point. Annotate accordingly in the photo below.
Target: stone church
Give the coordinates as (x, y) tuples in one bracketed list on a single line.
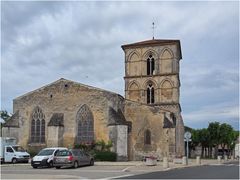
[(147, 121)]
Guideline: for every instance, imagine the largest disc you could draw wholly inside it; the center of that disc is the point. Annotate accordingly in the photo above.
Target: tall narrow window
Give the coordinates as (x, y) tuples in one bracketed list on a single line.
[(85, 131), (38, 126), (147, 137), (150, 65), (150, 94)]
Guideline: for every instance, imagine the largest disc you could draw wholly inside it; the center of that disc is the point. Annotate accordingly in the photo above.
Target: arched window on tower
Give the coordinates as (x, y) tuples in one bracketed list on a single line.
[(38, 126), (147, 137), (150, 94), (150, 65)]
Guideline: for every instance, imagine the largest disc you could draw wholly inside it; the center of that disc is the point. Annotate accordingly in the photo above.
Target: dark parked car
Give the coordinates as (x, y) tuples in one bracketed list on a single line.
[(72, 158)]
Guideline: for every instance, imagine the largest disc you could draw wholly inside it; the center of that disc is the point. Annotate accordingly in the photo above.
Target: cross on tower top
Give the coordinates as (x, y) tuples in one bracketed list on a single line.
[(153, 28)]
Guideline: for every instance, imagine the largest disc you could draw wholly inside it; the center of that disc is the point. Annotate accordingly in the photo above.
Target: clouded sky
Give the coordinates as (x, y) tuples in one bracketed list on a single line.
[(42, 42)]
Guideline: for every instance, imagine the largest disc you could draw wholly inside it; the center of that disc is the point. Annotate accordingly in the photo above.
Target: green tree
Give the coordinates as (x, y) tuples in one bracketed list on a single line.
[(5, 116), (210, 138), (226, 136), (204, 139), (195, 137), (214, 135), (235, 136)]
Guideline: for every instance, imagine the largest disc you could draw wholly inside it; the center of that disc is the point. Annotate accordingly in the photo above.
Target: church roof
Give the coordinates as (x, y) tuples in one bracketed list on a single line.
[(116, 117), (154, 42), (62, 80)]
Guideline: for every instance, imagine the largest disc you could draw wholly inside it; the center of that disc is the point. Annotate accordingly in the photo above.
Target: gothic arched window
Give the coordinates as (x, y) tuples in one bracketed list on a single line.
[(38, 126), (150, 94), (147, 137), (85, 130), (150, 65)]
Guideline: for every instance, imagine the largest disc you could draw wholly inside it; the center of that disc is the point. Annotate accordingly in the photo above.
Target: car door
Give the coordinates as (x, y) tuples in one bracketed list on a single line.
[(78, 156), (85, 158), (9, 154)]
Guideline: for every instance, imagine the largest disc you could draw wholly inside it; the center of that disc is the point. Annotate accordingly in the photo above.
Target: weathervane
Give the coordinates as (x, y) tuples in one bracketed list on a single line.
[(153, 29)]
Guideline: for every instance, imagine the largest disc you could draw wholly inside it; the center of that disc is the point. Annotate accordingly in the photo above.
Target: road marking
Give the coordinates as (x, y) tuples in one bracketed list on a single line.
[(68, 170), (231, 164), (114, 177), (126, 169), (166, 169), (224, 164)]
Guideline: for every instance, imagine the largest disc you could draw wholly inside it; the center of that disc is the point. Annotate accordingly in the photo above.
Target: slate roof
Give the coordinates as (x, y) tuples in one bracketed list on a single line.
[(57, 119), (167, 123), (116, 117)]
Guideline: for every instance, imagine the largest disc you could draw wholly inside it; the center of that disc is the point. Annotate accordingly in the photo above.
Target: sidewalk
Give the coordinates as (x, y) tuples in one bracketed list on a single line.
[(140, 165)]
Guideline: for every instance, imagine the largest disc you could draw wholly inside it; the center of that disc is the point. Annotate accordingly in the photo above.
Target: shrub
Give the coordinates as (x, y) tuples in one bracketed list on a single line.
[(32, 153), (105, 156), (102, 146)]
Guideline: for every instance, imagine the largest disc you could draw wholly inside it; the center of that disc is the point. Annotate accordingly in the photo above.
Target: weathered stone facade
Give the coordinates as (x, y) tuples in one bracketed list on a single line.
[(147, 121)]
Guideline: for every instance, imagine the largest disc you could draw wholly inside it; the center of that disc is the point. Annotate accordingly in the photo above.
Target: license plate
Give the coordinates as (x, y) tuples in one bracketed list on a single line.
[(60, 160), (37, 163)]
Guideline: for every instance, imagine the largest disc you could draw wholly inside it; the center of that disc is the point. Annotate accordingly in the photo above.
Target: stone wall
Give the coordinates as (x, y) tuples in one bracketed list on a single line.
[(144, 118), (67, 97)]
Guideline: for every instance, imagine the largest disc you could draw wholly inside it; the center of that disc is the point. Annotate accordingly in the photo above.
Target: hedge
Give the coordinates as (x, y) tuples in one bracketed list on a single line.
[(105, 156)]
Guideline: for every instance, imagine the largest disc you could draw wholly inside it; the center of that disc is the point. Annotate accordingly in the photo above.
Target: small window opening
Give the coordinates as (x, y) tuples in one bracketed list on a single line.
[(150, 65), (147, 137), (150, 94)]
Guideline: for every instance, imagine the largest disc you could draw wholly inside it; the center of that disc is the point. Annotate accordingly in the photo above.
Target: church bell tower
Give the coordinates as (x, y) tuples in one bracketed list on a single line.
[(152, 78), (152, 71)]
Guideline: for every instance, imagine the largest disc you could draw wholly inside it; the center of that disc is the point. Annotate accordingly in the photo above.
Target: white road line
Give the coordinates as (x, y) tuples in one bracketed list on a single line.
[(224, 164), (232, 164), (117, 177), (215, 164), (126, 169), (50, 170)]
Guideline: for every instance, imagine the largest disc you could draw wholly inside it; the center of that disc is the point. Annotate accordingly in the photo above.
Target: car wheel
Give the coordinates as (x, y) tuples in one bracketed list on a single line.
[(58, 167), (91, 162), (14, 160), (50, 164), (75, 165), (35, 167)]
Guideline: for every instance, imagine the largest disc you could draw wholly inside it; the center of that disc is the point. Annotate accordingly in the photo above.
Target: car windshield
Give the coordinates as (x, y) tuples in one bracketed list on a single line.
[(18, 149), (46, 152), (63, 153)]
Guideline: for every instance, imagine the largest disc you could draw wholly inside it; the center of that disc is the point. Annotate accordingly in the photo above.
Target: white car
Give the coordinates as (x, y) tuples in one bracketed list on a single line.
[(45, 157)]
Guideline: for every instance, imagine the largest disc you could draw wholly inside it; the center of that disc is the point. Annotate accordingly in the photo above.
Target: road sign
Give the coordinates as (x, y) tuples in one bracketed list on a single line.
[(187, 135)]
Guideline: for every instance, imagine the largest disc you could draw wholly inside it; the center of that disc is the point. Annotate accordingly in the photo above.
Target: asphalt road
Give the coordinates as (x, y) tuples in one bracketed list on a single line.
[(88, 172), (223, 171)]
